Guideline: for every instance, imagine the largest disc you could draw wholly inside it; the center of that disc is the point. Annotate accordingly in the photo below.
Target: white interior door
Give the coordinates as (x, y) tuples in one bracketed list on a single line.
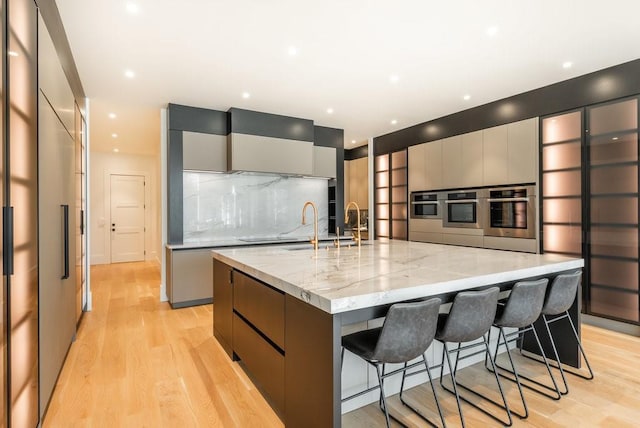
[(127, 218)]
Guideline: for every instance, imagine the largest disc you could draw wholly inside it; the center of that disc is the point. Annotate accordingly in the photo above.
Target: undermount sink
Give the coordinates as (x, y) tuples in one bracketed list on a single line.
[(326, 245)]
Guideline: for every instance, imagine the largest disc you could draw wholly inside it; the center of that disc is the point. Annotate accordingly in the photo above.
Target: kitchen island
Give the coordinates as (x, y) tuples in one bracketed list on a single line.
[(280, 310)]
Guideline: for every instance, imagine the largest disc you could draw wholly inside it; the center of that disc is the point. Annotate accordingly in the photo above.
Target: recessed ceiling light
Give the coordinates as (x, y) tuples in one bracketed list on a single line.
[(116, 150), (12, 53), (130, 74), (114, 135), (330, 110), (466, 97), (394, 121), (246, 95), (353, 141), (567, 64), (132, 8), (614, 138), (112, 116), (292, 50), (394, 78), (492, 31)]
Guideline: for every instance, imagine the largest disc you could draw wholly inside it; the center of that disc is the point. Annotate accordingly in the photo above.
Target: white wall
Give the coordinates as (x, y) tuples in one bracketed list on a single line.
[(102, 165)]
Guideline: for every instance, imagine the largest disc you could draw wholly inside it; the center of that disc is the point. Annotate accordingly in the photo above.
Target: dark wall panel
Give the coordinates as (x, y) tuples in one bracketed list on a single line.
[(356, 153), (174, 188), (194, 119), (333, 137), (608, 84), (270, 125)]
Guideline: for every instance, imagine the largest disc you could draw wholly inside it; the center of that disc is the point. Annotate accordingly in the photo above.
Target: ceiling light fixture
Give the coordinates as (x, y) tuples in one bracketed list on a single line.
[(114, 135), (492, 31), (394, 78), (614, 138), (116, 150), (129, 74), (12, 53), (132, 8), (292, 50), (353, 141), (394, 121), (246, 95), (466, 97), (112, 116), (330, 110), (567, 64)]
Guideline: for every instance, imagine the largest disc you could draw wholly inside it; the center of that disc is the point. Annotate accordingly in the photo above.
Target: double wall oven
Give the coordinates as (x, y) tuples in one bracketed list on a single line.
[(512, 212)]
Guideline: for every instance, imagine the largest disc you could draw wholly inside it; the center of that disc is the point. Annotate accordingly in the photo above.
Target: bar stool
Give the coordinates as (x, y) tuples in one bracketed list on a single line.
[(521, 310), (560, 297), (407, 332), (470, 319)]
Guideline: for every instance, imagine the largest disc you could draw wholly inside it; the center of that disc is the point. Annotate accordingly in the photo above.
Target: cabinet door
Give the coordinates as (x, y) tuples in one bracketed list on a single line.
[(433, 162), (417, 167), (223, 305), (204, 152), (324, 162), (452, 162), (495, 159), (522, 151), (361, 182), (472, 167), (353, 181)]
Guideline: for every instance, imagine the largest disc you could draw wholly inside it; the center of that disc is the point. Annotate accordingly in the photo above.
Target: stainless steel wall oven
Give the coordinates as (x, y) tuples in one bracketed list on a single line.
[(512, 212), (426, 205), (465, 209)]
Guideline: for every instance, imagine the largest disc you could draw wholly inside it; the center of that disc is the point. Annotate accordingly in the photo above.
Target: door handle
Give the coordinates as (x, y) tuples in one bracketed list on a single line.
[(65, 240), (7, 233)]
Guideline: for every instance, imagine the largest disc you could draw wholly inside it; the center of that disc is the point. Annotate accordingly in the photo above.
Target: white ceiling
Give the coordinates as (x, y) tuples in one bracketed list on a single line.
[(206, 53)]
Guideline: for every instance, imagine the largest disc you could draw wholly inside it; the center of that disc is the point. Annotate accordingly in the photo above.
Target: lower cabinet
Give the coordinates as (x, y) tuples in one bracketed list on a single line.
[(189, 277), (223, 306), (248, 321)]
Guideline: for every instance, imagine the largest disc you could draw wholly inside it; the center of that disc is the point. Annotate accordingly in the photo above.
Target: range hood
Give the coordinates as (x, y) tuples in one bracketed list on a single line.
[(263, 142)]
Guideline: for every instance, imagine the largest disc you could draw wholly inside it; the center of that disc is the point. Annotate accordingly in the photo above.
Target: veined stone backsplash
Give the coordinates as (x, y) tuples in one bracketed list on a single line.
[(246, 205)]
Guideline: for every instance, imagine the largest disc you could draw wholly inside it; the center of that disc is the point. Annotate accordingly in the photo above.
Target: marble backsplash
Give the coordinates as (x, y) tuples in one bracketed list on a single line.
[(247, 205)]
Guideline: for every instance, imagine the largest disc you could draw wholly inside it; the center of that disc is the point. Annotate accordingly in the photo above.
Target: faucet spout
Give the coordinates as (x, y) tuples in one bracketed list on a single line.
[(314, 241), (357, 237)]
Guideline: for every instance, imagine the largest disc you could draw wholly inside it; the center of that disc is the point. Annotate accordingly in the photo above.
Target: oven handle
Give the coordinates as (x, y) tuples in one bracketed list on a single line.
[(461, 201), (424, 202), (508, 200)]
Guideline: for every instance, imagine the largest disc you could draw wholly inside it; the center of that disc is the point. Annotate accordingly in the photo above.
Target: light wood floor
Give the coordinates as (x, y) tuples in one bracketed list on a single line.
[(137, 363)]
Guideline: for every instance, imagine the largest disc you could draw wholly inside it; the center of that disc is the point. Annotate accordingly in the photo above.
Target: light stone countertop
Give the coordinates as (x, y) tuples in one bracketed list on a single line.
[(384, 272), (251, 241)]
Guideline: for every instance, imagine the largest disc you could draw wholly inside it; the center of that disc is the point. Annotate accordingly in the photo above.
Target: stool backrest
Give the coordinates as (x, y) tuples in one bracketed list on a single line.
[(562, 292), (524, 304), (407, 332), (471, 315)]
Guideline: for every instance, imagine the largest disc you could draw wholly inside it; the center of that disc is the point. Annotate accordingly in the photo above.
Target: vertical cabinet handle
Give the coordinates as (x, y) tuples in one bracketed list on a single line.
[(81, 222), (65, 240), (7, 233)]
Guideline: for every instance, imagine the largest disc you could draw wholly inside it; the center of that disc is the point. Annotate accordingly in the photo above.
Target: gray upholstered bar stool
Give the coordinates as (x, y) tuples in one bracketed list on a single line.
[(521, 310), (468, 320), (560, 296), (407, 332)]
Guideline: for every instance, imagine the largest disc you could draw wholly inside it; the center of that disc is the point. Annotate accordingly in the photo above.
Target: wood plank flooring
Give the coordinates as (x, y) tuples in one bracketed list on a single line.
[(138, 363)]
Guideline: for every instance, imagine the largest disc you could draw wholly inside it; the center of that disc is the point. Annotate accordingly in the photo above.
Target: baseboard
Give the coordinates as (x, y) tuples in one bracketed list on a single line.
[(620, 327), (178, 305)]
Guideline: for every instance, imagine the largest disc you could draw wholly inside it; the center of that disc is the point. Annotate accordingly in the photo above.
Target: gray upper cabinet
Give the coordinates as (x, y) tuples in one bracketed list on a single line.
[(472, 165), (268, 154), (324, 161), (452, 170), (53, 82), (522, 151), (495, 158), (417, 174), (204, 152)]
